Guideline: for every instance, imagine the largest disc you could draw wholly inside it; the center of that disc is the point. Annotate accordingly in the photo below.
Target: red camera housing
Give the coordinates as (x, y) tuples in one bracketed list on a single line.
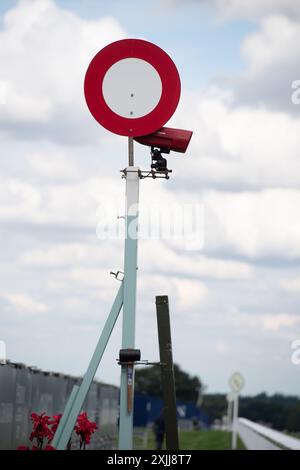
[(167, 139)]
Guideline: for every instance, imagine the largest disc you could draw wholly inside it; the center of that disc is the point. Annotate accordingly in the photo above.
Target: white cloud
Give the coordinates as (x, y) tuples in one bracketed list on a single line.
[(223, 347), (271, 59), (291, 285), (265, 47), (262, 224), (46, 51), (107, 253), (190, 294), (279, 323), (93, 284), (18, 200), (187, 296), (67, 204), (3, 87), (190, 264), (56, 166), (253, 9), (238, 146), (89, 277), (276, 322), (24, 304), (70, 255)]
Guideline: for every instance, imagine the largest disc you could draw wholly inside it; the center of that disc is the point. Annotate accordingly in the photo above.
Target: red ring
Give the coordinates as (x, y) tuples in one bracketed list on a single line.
[(154, 55)]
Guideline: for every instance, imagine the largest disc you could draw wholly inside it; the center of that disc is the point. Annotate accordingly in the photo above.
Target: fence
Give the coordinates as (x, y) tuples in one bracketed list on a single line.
[(147, 409), (259, 437), (24, 390)]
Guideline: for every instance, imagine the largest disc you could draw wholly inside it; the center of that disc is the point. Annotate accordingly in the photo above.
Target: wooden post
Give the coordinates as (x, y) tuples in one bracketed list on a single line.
[(167, 369)]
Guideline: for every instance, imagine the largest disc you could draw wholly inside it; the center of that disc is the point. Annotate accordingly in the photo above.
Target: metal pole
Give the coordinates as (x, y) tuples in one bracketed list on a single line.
[(167, 368), (229, 414), (130, 151), (129, 304), (235, 418)]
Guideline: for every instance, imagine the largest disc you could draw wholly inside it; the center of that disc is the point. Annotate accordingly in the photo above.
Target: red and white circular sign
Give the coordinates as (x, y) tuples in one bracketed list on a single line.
[(132, 87)]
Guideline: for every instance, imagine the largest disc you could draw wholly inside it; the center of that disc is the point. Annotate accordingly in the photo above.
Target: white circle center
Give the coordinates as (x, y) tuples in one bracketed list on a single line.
[(132, 88)]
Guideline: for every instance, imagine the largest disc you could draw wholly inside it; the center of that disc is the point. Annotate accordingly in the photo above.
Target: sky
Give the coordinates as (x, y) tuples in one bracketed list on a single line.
[(234, 299)]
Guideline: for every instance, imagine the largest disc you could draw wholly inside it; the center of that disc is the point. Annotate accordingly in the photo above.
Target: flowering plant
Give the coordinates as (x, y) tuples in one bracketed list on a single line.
[(85, 428), (44, 428), (40, 429), (54, 423)]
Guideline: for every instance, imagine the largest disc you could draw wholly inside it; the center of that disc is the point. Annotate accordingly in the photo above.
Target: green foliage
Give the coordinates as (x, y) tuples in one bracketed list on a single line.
[(277, 411), (148, 380), (215, 405)]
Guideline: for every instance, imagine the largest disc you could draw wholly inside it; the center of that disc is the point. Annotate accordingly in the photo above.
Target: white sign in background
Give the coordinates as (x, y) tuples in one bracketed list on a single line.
[(236, 382)]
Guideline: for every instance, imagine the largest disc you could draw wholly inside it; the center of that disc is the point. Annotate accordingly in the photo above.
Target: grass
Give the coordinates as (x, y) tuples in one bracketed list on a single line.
[(197, 440), (292, 434)]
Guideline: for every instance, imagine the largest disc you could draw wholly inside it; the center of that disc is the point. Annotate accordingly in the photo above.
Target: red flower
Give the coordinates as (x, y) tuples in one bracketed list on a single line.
[(40, 429), (54, 423), (44, 427), (85, 428)]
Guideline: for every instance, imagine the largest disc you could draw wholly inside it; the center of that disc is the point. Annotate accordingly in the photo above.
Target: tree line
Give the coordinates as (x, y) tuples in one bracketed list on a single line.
[(279, 411)]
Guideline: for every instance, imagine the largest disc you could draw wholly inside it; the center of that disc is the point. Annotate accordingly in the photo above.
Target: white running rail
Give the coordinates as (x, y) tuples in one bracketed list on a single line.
[(275, 436)]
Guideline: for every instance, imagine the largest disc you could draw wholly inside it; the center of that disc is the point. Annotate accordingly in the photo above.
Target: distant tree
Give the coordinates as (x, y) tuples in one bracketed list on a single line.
[(293, 419), (278, 411), (148, 380), (215, 405)]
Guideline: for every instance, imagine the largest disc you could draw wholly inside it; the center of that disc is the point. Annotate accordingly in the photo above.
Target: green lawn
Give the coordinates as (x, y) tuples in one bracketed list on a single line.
[(197, 440)]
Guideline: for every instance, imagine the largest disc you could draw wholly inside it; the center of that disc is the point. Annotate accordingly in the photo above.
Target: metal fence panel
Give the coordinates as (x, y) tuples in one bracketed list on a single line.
[(7, 396), (24, 390), (22, 402)]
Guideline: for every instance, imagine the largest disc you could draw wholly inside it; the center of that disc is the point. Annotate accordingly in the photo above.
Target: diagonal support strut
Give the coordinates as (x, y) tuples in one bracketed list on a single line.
[(77, 397)]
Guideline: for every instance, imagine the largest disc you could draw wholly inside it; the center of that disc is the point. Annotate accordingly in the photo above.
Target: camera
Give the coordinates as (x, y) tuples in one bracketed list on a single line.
[(167, 139), (159, 163), (163, 141)]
